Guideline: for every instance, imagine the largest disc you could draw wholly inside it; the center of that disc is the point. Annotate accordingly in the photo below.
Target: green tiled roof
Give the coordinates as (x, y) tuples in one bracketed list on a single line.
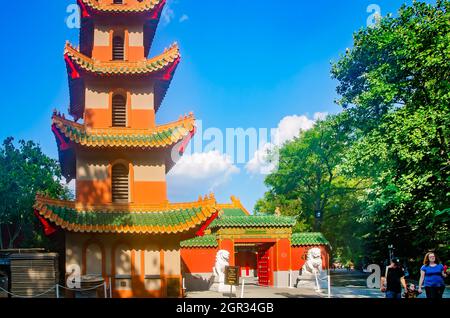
[(314, 238), (253, 221), (125, 218), (201, 241), (170, 220), (298, 239), (233, 212)]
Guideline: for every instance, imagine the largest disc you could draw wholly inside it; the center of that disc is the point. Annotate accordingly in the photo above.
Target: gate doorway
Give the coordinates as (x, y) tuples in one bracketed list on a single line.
[(256, 261), (245, 258), (265, 269)]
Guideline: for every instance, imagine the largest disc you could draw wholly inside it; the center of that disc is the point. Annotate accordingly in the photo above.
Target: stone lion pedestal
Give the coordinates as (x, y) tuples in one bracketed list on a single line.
[(308, 280), (311, 269), (220, 287), (218, 278)]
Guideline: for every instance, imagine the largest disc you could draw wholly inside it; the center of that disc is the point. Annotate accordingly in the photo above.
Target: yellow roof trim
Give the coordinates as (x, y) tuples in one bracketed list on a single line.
[(207, 203), (151, 65), (145, 5)]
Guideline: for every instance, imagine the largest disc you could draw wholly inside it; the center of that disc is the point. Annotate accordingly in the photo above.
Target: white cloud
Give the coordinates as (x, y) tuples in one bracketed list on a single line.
[(200, 173), (288, 128), (184, 18), (261, 162), (167, 14), (320, 116), (71, 185)]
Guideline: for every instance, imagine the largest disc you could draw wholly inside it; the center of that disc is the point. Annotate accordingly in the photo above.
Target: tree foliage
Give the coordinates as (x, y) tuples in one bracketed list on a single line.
[(25, 171), (391, 143), (309, 181), (395, 86)]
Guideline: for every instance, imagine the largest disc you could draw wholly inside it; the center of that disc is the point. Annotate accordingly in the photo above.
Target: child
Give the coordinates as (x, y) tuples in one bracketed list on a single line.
[(411, 292)]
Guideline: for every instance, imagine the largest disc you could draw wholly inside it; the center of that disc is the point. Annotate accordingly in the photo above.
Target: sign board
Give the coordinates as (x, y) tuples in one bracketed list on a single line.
[(232, 274)]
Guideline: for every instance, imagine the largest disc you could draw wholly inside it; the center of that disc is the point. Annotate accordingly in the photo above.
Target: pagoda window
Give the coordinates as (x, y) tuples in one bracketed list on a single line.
[(120, 181), (119, 111), (118, 48)]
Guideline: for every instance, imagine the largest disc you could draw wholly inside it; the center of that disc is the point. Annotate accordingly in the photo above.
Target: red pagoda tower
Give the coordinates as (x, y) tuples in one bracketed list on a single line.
[(121, 225)]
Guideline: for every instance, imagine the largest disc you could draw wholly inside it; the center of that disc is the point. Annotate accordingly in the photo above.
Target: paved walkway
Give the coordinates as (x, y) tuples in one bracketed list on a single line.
[(264, 292), (344, 285)]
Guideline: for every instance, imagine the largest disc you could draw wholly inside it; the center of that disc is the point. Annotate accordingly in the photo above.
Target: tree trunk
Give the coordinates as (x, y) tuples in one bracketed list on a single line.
[(13, 238), (318, 215), (317, 224), (10, 239)]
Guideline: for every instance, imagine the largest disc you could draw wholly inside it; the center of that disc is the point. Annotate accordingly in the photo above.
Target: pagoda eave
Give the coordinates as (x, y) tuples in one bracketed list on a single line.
[(157, 137), (151, 9), (150, 19), (160, 67), (164, 218), (172, 139)]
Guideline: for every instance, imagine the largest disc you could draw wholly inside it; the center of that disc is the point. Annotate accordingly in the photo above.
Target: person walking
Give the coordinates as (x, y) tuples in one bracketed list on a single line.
[(432, 276), (393, 280)]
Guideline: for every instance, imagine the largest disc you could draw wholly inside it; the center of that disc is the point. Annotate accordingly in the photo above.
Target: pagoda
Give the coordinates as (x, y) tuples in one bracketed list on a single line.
[(121, 225)]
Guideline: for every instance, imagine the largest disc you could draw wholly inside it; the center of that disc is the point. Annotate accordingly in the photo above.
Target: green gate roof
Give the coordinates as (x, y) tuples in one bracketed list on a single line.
[(298, 239), (201, 241), (314, 238), (253, 221)]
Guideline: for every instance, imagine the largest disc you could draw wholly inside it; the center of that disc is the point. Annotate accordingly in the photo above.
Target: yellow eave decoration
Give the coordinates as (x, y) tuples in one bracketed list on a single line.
[(147, 66), (178, 220), (159, 136), (145, 5)]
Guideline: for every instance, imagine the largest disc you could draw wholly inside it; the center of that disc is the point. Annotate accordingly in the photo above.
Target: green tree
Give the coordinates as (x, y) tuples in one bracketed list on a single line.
[(288, 206), (25, 171), (308, 165), (309, 181), (395, 87)]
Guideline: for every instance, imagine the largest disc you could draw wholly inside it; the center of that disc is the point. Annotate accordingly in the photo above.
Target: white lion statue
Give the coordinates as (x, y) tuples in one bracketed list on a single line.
[(313, 262), (222, 261)]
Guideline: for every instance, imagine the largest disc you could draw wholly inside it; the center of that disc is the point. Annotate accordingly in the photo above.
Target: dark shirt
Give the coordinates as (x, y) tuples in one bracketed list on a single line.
[(393, 283), (411, 294)]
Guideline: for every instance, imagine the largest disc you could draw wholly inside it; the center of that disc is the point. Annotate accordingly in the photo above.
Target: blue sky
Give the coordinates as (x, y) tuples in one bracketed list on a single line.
[(246, 63)]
